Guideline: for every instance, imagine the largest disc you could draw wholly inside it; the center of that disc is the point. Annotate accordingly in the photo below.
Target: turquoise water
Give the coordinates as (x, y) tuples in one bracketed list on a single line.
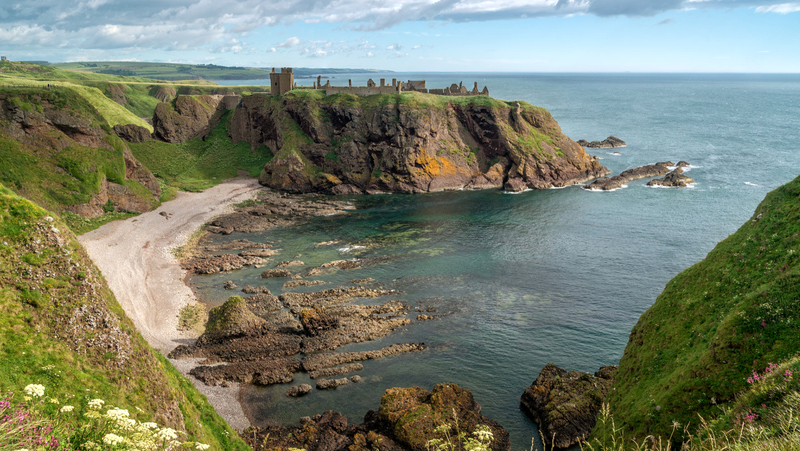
[(547, 276)]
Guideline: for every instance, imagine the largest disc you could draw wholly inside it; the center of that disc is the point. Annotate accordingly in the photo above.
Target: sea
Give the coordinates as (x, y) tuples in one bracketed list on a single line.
[(558, 275)]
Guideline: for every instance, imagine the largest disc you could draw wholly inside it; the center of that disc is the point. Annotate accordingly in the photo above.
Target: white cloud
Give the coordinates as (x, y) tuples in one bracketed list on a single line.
[(783, 8), (289, 43), (416, 47), (391, 47), (272, 50)]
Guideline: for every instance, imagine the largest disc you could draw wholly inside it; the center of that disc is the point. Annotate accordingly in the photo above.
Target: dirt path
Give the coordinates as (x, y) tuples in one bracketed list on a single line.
[(135, 257)]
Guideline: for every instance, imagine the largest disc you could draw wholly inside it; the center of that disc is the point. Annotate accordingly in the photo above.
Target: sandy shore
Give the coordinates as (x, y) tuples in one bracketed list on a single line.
[(135, 257)]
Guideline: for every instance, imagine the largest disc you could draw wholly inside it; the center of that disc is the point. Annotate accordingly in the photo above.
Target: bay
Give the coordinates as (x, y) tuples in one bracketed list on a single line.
[(545, 276)]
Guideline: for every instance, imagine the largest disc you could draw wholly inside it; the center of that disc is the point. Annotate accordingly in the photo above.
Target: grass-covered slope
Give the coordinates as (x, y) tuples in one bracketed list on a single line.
[(200, 163), (58, 149), (122, 99), (61, 327), (716, 323)]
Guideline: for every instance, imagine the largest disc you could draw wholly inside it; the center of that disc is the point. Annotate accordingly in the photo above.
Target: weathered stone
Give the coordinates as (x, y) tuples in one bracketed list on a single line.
[(611, 141), (565, 404), (299, 390), (673, 179), (133, 133)]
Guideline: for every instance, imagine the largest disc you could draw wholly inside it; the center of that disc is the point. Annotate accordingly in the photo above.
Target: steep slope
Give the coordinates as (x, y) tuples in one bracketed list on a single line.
[(58, 150), (60, 326), (409, 142), (715, 323)]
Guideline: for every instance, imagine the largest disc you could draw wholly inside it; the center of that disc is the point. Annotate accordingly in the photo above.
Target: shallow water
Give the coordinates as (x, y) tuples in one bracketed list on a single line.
[(546, 276)]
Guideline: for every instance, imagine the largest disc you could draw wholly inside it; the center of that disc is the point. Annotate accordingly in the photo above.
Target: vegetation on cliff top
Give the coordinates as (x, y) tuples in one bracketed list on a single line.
[(61, 327), (200, 163), (715, 324)]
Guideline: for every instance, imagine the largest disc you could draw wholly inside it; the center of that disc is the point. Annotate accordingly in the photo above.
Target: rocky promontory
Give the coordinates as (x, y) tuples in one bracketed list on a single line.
[(565, 403), (611, 141), (406, 421), (407, 143)]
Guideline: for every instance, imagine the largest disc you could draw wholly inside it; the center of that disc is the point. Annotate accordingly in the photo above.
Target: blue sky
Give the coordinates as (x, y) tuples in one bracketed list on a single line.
[(418, 35)]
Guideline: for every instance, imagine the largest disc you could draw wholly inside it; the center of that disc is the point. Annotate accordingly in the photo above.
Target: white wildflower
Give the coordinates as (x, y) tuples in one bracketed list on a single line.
[(117, 414), (96, 404), (167, 434), (150, 425), (112, 439), (35, 390), (201, 446), (67, 409)]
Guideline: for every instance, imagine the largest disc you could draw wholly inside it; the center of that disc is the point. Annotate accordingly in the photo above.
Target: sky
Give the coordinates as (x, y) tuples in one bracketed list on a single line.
[(752, 36)]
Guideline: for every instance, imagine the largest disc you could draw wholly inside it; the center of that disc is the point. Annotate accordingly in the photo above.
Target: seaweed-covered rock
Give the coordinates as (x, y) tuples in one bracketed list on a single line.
[(316, 320), (565, 403), (413, 414), (231, 319)]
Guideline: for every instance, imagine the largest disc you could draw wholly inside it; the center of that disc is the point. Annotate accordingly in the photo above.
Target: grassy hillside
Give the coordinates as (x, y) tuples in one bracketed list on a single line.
[(167, 71), (200, 163), (170, 71), (126, 99), (715, 324), (43, 163), (61, 327)]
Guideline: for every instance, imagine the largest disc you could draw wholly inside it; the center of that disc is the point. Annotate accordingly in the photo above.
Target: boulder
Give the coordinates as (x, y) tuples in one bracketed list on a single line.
[(611, 141), (133, 133), (565, 404), (299, 390), (414, 413), (316, 320)]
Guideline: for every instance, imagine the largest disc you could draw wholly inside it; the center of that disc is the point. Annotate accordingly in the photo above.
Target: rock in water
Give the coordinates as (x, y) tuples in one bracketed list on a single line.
[(299, 390), (565, 403), (413, 414), (674, 178), (611, 141), (316, 320)]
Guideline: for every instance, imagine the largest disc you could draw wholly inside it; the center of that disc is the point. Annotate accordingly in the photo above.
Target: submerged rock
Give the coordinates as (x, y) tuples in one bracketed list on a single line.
[(565, 404)]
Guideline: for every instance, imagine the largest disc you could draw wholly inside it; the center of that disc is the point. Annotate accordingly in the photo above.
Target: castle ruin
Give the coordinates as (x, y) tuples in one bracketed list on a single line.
[(3, 58), (283, 82)]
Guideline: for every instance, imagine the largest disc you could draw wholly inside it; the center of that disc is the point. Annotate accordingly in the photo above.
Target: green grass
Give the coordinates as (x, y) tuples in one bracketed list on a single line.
[(715, 323), (60, 326), (80, 225), (197, 164), (167, 71)]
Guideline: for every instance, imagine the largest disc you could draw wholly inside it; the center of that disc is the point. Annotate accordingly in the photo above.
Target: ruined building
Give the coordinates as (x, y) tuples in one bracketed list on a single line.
[(283, 82)]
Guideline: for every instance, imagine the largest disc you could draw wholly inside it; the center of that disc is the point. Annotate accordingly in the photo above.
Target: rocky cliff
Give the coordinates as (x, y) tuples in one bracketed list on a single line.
[(408, 143), (57, 150)]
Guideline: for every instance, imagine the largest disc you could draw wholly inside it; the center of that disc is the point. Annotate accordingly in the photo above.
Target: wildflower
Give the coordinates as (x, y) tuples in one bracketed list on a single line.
[(117, 414), (201, 446), (53, 401), (126, 424), (66, 409), (149, 425), (112, 439), (92, 414), (96, 404), (787, 375), (35, 390), (167, 434)]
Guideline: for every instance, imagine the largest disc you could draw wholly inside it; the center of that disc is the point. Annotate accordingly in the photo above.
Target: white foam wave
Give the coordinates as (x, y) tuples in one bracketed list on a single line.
[(347, 249), (751, 184), (518, 192), (606, 190)]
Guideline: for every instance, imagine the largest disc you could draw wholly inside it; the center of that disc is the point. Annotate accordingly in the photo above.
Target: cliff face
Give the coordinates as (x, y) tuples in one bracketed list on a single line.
[(57, 150), (408, 143), (716, 323)]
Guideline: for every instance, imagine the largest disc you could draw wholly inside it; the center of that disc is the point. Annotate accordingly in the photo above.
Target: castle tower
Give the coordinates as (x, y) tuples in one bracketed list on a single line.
[(281, 82)]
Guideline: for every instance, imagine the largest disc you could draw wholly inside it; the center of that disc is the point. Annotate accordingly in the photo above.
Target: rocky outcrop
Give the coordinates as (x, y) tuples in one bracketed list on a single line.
[(299, 390), (618, 181), (611, 141), (325, 145), (405, 422), (165, 93), (133, 133), (565, 404), (413, 414), (673, 179), (186, 117), (219, 263), (42, 124)]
